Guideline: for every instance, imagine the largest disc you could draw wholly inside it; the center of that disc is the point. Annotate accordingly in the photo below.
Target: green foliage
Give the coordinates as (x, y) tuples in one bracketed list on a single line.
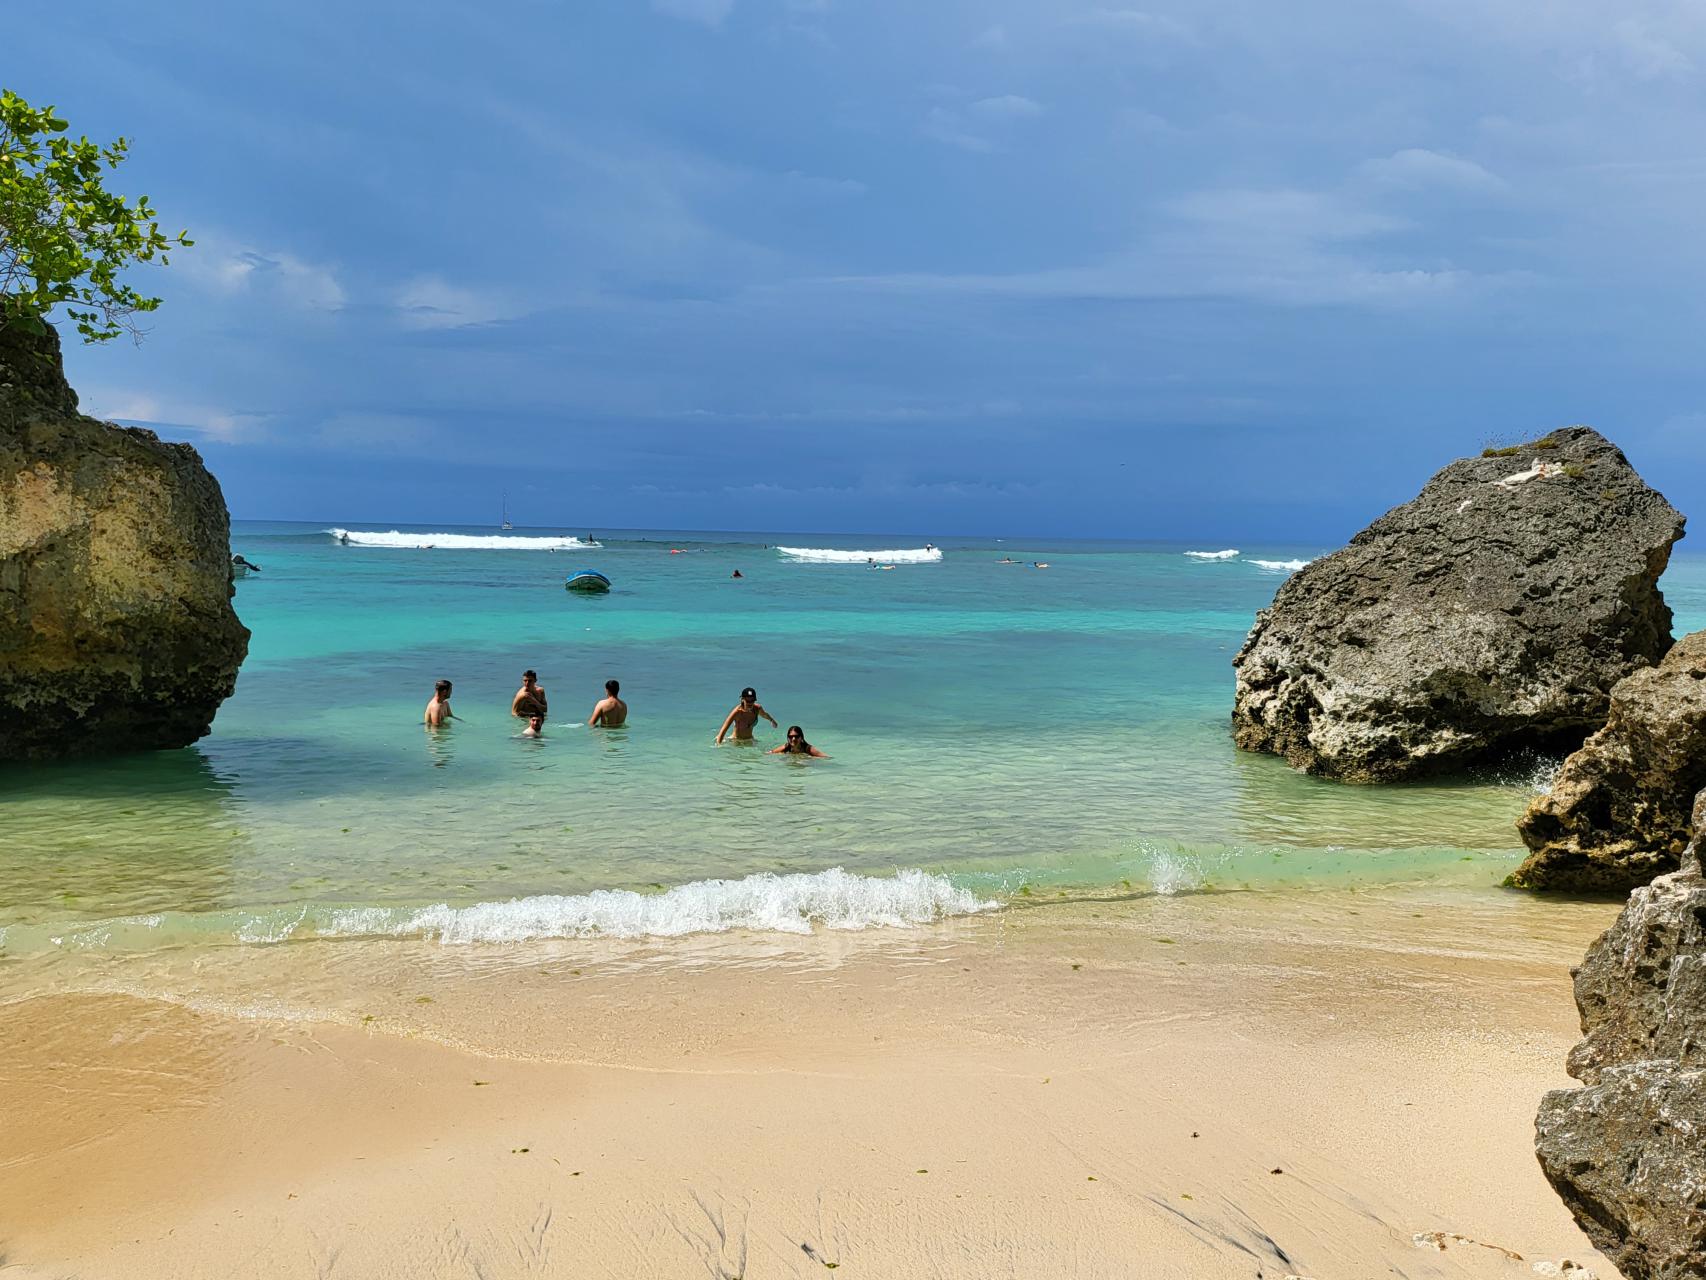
[(1574, 470), (64, 238), (1509, 451)]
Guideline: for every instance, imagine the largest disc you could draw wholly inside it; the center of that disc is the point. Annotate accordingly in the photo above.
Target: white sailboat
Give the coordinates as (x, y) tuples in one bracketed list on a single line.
[(506, 524)]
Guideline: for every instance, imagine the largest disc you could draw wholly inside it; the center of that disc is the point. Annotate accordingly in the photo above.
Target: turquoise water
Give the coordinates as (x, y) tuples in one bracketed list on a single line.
[(1010, 732)]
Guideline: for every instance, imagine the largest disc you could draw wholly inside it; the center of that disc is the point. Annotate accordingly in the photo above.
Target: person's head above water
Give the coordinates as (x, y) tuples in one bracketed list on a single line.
[(442, 688), (612, 687), (528, 677), (797, 740), (749, 694)]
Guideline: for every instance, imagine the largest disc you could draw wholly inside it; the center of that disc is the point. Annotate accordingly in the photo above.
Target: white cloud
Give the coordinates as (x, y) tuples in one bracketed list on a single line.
[(230, 269), (1650, 56), (429, 302), (709, 12), (1137, 22), (1009, 106), (1418, 167), (1283, 247), (945, 125), (168, 415)]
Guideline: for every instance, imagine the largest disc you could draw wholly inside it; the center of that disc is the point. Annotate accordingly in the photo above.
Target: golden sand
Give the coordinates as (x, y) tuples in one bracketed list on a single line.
[(1331, 1084)]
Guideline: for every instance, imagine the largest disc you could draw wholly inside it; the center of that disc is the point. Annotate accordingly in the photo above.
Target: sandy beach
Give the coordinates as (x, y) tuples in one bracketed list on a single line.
[(1325, 1084)]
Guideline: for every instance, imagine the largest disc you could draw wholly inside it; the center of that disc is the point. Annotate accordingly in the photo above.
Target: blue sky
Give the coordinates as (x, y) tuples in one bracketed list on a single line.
[(1222, 270)]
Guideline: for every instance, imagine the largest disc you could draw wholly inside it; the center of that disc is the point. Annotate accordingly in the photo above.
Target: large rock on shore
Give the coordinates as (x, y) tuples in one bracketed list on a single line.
[(1618, 813), (1493, 612), (116, 626), (1628, 1152)]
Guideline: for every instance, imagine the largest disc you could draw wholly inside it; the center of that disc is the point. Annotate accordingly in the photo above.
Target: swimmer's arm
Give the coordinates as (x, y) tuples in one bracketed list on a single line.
[(776, 751), (769, 717), (727, 721), (595, 717), (819, 755)]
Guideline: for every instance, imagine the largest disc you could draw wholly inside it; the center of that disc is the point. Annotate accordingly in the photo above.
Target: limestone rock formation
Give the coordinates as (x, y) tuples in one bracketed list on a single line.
[(116, 626), (1628, 1151), (1493, 612), (1618, 814)]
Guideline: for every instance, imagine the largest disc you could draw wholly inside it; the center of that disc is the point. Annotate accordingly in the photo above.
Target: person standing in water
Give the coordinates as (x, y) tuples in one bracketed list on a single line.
[(438, 710), (796, 745), (611, 712), (529, 700), (744, 718)]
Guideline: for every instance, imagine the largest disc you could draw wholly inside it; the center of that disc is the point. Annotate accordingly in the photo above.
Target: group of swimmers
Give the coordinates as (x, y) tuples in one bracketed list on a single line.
[(611, 712)]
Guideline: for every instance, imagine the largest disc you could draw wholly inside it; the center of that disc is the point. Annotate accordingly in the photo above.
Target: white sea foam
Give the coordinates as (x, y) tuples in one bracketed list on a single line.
[(1230, 553), (834, 899), (459, 541), (1280, 566), (828, 555)]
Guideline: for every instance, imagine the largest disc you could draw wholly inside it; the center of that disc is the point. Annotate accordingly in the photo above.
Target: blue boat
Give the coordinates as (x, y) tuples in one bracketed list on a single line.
[(588, 580)]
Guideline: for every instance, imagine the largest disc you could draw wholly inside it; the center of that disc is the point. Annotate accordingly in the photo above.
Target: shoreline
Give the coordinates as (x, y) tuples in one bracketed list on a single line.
[(754, 1105)]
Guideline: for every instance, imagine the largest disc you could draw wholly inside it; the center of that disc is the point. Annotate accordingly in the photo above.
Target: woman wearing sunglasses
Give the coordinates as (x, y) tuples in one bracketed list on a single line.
[(796, 745)]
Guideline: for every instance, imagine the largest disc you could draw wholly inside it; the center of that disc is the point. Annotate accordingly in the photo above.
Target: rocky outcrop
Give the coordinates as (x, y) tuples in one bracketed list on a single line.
[(1493, 612), (116, 626), (1618, 813), (1628, 1151)]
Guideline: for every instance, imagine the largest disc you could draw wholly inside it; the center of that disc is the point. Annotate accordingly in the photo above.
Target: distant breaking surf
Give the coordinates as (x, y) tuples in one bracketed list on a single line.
[(1280, 566), (458, 541), (828, 555), (1231, 554)]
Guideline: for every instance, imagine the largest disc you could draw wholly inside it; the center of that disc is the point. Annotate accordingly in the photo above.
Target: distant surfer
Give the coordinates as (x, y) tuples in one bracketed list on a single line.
[(438, 710), (529, 700), (344, 539), (246, 566), (796, 745), (610, 712), (737, 574), (744, 718)]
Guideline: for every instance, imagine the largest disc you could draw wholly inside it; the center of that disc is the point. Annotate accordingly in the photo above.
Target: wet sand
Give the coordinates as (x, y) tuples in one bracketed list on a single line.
[(1327, 1084)]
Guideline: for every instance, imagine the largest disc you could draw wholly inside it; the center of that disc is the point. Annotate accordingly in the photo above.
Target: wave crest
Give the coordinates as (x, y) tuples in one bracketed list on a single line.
[(1280, 566), (1231, 553), (458, 541), (829, 555), (834, 899)]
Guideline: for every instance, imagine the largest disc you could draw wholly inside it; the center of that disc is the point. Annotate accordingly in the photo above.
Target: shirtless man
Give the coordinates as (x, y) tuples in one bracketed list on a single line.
[(611, 712), (744, 718), (529, 700), (438, 710)]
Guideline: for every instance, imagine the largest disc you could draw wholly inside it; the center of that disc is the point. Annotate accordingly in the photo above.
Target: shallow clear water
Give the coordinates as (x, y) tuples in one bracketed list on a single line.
[(1018, 731)]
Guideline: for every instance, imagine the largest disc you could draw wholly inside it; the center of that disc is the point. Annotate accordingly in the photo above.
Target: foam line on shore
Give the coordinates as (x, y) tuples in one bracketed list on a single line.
[(833, 899), (796, 903), (396, 538), (829, 555)]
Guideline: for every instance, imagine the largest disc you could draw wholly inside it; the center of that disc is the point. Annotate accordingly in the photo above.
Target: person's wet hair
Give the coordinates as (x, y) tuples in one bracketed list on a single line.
[(443, 687), (798, 735), (612, 687), (529, 675)]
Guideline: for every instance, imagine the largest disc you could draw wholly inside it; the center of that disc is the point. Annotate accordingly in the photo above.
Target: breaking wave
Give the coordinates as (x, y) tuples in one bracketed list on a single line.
[(1280, 566), (795, 903), (828, 555), (458, 541), (1230, 554)]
